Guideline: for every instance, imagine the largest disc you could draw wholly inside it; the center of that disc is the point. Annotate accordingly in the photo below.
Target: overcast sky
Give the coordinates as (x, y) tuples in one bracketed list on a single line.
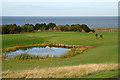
[(64, 8)]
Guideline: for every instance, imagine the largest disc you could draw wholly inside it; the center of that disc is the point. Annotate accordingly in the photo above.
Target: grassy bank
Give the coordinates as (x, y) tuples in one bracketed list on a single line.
[(106, 50)]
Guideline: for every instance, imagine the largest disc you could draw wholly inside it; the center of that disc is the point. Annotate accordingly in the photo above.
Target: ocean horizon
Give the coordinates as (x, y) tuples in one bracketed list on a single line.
[(91, 21)]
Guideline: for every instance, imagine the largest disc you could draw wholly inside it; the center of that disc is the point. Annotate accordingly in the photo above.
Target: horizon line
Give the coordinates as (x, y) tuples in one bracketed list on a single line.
[(58, 15)]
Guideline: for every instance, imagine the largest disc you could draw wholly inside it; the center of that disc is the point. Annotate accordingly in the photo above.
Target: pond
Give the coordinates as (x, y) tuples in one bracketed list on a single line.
[(42, 51)]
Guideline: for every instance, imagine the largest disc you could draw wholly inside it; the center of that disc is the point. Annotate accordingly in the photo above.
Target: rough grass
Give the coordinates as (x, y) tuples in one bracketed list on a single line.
[(60, 72)]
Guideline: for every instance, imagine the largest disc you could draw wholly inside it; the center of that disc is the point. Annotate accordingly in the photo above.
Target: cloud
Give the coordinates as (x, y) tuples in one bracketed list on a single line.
[(59, 8)]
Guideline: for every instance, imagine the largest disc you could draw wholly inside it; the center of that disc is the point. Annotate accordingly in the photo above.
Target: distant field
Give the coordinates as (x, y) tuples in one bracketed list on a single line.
[(106, 29), (106, 50)]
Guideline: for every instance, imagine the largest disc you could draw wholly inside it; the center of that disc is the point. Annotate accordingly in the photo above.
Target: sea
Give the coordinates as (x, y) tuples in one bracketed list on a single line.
[(91, 21)]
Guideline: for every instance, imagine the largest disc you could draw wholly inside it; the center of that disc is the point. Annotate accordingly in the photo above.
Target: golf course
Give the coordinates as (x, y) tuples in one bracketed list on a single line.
[(100, 61)]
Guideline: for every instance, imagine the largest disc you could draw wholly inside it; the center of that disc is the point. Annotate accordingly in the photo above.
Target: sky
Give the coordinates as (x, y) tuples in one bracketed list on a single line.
[(59, 8)]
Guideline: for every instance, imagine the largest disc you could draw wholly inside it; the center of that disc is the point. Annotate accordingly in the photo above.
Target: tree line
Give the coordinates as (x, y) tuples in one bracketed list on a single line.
[(13, 28)]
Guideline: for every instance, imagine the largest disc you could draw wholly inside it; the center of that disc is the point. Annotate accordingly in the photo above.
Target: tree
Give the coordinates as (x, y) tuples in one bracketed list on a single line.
[(30, 28), (60, 27), (51, 26), (43, 26), (67, 27), (73, 28), (37, 26), (85, 27), (13, 28), (55, 28), (27, 28), (5, 29), (78, 27)]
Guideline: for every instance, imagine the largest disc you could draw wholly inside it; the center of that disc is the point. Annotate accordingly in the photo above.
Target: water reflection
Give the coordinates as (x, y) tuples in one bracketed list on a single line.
[(38, 51)]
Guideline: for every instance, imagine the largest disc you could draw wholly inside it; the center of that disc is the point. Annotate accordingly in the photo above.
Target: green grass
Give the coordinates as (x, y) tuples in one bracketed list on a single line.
[(59, 37), (102, 74), (106, 50)]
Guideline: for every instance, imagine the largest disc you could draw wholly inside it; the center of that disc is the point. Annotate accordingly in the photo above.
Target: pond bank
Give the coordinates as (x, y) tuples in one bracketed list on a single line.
[(14, 48), (68, 46), (75, 49)]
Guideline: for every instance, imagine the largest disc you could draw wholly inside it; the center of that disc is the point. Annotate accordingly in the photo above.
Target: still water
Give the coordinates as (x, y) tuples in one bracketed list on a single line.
[(42, 51)]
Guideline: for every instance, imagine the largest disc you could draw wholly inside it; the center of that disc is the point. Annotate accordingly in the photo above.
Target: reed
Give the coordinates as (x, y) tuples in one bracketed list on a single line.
[(25, 56), (73, 52)]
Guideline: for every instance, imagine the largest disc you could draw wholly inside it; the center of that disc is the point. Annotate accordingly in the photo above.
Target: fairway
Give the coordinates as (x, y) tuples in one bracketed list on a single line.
[(106, 50)]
